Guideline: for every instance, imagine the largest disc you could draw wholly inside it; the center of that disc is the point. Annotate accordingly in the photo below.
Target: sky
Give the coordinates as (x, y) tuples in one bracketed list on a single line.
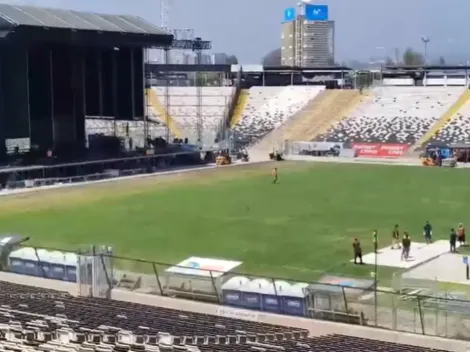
[(249, 29)]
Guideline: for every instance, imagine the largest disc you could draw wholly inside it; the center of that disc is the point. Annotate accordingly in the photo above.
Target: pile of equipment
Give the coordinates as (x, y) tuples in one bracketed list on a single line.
[(223, 158)]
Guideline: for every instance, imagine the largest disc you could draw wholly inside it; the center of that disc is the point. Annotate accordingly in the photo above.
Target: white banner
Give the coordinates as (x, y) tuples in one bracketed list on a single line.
[(297, 147)]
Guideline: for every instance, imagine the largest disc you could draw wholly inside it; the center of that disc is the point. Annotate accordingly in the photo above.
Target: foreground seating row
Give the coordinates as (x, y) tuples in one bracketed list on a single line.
[(36, 319)]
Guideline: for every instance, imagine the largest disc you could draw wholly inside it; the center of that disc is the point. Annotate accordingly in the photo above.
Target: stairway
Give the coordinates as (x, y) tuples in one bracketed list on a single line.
[(446, 117), (328, 107), (161, 114), (240, 107)]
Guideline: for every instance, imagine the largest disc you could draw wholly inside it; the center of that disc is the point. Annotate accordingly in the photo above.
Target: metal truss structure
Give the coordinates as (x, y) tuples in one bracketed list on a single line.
[(197, 45)]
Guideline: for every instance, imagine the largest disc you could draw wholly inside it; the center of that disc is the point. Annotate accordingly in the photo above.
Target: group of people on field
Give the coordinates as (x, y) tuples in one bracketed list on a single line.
[(405, 243)]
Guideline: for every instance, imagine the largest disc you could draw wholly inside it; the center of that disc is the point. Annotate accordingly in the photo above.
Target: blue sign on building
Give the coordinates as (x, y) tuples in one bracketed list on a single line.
[(289, 14), (316, 12)]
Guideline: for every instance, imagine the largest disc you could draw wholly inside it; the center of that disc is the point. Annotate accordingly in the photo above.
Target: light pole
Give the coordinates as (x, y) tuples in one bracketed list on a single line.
[(425, 39), (376, 244), (383, 61)]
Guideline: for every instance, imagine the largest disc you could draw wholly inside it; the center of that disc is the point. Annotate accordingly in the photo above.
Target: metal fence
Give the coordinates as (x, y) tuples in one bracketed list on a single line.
[(309, 148), (95, 170), (437, 315)]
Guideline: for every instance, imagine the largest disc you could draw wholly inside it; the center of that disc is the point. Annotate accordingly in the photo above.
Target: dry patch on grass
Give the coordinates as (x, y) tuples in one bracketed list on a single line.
[(69, 196)]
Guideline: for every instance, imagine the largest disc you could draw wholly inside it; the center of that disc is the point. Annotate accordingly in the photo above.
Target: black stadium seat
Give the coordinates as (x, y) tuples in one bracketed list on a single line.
[(35, 319)]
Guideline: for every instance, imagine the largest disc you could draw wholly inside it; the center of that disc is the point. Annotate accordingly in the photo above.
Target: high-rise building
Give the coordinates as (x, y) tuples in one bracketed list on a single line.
[(307, 36)]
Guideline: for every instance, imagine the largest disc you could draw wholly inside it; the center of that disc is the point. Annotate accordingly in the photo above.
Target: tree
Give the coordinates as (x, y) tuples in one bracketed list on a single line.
[(232, 60), (442, 61), (273, 58), (412, 58), (389, 61)]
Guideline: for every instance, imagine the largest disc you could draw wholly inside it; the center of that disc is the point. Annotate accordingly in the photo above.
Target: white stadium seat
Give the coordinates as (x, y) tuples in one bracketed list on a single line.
[(268, 108), (456, 130), (394, 115)]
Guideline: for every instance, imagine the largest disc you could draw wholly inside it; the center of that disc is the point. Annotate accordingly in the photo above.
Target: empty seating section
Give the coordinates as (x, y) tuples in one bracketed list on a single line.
[(183, 109), (35, 319), (92, 313), (124, 129), (457, 130), (394, 115), (268, 108)]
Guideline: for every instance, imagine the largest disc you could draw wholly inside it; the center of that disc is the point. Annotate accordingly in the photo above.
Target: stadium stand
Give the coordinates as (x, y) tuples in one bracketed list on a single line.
[(445, 118), (457, 130), (94, 312), (183, 109), (46, 320), (394, 115), (314, 118), (268, 108)]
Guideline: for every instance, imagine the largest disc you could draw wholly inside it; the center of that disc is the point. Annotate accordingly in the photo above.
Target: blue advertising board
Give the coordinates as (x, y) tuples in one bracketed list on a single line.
[(316, 12), (289, 14)]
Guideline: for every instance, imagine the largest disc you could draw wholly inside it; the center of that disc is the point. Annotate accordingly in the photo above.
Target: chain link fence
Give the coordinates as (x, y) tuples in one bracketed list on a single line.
[(439, 314)]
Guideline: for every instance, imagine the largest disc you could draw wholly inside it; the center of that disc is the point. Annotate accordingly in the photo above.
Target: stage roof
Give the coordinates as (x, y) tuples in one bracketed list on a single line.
[(13, 16), (288, 69), (428, 67), (154, 68)]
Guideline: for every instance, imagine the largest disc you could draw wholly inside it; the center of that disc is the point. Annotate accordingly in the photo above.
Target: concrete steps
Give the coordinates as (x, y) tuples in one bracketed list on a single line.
[(334, 108), (240, 107)]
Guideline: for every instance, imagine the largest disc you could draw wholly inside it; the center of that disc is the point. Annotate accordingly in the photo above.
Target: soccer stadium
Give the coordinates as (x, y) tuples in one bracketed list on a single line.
[(201, 207)]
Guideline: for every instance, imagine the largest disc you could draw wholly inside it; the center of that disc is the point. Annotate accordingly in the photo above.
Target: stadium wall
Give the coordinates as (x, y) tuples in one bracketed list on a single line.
[(315, 327)]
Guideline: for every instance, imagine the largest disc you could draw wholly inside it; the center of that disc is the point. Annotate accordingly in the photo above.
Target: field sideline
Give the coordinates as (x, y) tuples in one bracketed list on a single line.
[(298, 229)]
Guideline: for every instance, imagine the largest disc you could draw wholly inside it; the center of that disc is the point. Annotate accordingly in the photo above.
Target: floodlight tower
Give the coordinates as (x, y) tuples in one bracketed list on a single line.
[(425, 39), (164, 23)]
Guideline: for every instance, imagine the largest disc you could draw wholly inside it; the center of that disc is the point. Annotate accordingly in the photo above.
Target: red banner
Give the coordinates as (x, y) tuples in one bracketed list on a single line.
[(380, 150)]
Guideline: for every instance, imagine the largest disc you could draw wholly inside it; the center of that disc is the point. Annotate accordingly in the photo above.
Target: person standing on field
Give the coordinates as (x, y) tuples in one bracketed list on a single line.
[(406, 243), (461, 234), (357, 251), (395, 238), (453, 241), (274, 174), (427, 233)]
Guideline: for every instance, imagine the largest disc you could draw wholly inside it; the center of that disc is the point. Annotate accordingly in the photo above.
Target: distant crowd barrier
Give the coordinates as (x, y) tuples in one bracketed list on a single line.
[(334, 298), (88, 171), (380, 150), (371, 150), (324, 149)]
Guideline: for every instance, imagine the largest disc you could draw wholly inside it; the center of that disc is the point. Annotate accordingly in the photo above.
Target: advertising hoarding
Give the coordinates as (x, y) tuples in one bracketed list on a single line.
[(380, 150), (316, 12), (289, 14)]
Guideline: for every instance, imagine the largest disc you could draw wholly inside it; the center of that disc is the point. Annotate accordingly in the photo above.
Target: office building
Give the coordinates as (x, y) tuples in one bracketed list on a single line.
[(307, 37)]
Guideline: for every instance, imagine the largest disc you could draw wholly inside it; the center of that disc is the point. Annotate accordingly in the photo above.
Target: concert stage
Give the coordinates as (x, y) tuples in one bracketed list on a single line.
[(59, 66)]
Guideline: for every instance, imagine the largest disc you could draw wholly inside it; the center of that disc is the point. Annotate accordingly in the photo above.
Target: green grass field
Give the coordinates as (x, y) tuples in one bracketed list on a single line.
[(298, 229)]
